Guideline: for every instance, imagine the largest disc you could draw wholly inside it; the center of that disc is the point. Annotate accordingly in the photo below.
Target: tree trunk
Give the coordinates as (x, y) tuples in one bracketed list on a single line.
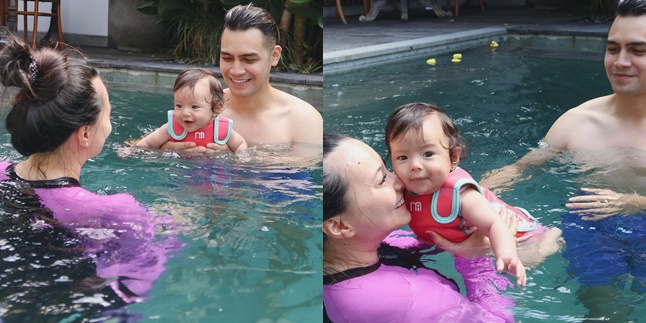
[(299, 39)]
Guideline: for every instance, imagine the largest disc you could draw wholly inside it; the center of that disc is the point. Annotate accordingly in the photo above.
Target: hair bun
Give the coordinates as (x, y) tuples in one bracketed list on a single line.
[(41, 73), (15, 58)]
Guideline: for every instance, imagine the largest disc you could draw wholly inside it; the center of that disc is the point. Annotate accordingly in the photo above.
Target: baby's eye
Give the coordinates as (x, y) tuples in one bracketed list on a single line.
[(402, 158), (195, 107), (428, 154), (177, 106)]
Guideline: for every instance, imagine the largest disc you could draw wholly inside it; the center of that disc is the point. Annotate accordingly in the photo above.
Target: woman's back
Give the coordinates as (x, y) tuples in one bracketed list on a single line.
[(104, 245)]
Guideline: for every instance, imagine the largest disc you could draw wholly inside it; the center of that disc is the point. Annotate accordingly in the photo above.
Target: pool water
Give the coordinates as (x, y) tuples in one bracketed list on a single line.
[(251, 227), (503, 104)]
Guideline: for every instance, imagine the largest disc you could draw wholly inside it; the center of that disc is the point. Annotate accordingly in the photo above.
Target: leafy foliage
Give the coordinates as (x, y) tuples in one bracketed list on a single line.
[(603, 9), (196, 26)]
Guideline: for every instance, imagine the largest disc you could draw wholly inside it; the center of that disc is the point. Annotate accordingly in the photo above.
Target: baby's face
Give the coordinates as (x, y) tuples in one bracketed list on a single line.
[(421, 159), (193, 108)]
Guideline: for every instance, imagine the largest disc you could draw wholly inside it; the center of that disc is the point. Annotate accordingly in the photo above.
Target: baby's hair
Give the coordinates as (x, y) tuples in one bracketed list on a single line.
[(411, 117), (56, 96), (190, 77)]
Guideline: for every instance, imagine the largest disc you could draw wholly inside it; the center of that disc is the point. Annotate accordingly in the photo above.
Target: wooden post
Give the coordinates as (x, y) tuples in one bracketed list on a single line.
[(12, 20)]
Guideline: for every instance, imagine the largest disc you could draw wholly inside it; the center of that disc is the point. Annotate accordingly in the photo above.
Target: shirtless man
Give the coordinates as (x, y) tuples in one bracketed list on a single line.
[(261, 113), (605, 231)]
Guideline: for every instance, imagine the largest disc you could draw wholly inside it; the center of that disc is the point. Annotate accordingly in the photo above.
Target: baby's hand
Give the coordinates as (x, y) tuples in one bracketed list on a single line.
[(512, 266)]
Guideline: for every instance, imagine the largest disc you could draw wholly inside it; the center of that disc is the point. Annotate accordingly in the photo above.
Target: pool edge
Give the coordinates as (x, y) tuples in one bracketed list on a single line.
[(348, 59)]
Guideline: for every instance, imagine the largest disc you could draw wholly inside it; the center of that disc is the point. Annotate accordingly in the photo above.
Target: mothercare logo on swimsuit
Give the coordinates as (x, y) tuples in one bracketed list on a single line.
[(415, 206), (199, 135)]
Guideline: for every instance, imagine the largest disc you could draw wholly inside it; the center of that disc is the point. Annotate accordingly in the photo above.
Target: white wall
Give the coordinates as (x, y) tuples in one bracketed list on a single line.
[(80, 17)]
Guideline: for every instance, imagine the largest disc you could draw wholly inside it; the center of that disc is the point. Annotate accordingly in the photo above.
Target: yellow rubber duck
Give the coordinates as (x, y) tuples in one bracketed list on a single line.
[(493, 44), (457, 56), (431, 61), (456, 60)]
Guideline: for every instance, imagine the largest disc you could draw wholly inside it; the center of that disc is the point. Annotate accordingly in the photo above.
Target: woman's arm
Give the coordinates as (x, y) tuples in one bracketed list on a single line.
[(484, 285)]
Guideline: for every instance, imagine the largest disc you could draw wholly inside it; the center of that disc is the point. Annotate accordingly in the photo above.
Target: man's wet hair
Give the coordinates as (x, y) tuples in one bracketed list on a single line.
[(631, 8), (245, 17)]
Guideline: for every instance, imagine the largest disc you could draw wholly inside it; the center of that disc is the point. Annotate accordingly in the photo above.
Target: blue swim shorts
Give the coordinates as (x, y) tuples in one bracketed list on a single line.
[(603, 252)]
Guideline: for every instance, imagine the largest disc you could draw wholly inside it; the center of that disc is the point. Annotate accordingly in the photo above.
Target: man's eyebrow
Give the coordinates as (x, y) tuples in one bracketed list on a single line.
[(634, 43), (243, 55)]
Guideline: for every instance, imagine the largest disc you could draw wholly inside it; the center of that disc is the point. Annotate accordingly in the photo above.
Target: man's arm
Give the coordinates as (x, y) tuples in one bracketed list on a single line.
[(556, 141), (188, 147), (596, 204), (308, 123), (504, 177)]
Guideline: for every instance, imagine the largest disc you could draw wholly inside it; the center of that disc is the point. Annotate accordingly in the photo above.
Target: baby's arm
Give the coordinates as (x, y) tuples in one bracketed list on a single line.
[(479, 212), (236, 142), (156, 139)]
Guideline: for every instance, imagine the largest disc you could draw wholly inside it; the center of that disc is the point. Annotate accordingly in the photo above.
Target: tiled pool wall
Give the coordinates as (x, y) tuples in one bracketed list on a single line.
[(162, 79), (583, 39), (346, 60)]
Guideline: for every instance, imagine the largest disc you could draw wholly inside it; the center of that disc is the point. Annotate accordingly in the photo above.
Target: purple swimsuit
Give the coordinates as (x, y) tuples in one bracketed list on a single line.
[(117, 232), (403, 293)]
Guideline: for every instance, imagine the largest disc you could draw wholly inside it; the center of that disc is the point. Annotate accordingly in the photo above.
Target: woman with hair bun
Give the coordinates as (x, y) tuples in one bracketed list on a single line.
[(59, 119)]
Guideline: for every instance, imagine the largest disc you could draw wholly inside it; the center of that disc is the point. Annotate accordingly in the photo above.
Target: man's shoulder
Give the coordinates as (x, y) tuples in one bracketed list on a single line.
[(291, 100), (305, 120), (589, 109), (578, 122), (296, 106)]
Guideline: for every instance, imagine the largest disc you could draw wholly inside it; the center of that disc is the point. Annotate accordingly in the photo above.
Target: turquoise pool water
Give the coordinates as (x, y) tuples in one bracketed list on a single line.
[(251, 228), (503, 104)]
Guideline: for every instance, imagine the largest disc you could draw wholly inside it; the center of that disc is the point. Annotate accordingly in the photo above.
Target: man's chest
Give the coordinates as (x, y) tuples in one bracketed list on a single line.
[(608, 136), (264, 130)]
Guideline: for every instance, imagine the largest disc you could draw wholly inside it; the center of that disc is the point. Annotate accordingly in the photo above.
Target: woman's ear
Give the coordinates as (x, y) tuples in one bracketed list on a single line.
[(83, 136), (334, 227)]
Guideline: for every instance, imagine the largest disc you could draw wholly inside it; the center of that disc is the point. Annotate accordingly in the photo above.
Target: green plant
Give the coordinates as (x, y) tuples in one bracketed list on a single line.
[(196, 25), (602, 9), (293, 59), (302, 42)]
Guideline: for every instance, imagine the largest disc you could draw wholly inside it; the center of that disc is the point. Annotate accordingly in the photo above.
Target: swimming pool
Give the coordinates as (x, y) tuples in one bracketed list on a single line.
[(503, 104), (251, 228)]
